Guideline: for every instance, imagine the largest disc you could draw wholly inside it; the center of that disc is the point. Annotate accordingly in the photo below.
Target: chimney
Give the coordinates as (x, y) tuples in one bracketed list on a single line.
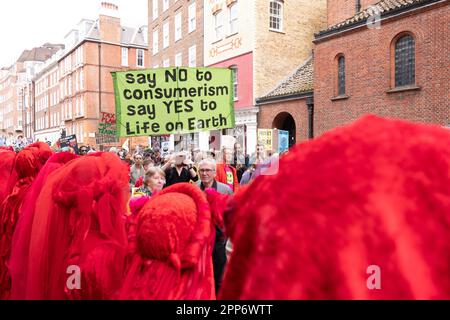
[(109, 23), (109, 9)]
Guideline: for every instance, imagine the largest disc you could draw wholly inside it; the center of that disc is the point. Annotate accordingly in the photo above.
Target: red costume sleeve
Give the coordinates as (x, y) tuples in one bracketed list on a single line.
[(27, 165), (8, 175), (374, 194), (19, 262), (78, 222)]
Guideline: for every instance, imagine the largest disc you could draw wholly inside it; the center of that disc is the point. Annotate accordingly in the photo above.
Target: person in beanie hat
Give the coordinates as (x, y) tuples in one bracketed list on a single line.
[(174, 238), (27, 165), (362, 212)]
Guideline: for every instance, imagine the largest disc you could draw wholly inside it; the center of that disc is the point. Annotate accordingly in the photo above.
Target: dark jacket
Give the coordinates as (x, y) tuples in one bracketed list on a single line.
[(172, 176), (219, 252)]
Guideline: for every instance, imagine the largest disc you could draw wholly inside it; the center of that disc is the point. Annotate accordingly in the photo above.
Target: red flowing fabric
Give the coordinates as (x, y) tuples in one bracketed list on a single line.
[(362, 212), (131, 219), (8, 175), (18, 265), (78, 223), (174, 248), (27, 165)]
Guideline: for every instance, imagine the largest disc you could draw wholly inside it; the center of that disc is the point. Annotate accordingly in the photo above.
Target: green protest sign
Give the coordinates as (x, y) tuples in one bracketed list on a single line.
[(173, 100)]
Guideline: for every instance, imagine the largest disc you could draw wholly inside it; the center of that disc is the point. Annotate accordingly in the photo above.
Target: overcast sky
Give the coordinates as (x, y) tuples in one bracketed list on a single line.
[(25, 24)]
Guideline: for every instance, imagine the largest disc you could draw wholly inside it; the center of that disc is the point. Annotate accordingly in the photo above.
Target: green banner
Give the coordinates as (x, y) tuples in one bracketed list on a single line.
[(157, 102)]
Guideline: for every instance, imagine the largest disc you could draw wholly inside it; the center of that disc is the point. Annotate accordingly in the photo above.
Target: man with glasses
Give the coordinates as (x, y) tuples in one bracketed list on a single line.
[(207, 170)]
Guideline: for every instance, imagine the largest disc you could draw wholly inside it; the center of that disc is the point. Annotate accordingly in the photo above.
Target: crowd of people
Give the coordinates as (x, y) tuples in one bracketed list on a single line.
[(361, 212), (149, 175)]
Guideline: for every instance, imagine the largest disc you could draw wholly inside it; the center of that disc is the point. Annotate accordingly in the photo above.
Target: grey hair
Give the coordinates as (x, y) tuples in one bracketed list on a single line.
[(208, 161)]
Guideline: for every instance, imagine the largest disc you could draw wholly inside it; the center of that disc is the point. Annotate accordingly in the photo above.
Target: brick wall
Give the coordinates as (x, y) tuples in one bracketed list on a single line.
[(369, 65), (340, 10), (110, 29), (187, 39), (277, 54), (298, 110), (110, 60)]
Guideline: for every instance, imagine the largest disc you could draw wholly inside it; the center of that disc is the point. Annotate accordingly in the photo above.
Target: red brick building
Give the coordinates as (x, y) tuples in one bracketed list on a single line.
[(75, 88), (289, 106), (15, 91), (391, 59)]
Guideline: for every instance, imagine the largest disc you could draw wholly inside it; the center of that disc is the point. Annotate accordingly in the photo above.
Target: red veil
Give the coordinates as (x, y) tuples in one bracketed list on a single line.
[(174, 248), (78, 224), (362, 207), (8, 175), (21, 240), (27, 165)]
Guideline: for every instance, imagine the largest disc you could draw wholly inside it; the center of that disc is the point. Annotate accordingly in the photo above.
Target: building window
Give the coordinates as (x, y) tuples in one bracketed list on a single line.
[(77, 106), (155, 9), (81, 79), (178, 26), (193, 56), (358, 5), (155, 41), (341, 75), (79, 56), (140, 57), (405, 61), (80, 138), (70, 85), (233, 13), (178, 60), (276, 15), (234, 74), (166, 35), (166, 63), (125, 57), (77, 82), (218, 24), (192, 17), (165, 5), (81, 106), (70, 109)]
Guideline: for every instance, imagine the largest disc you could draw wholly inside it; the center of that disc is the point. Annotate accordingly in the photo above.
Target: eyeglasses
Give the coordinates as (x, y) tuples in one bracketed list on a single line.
[(206, 170), (83, 151)]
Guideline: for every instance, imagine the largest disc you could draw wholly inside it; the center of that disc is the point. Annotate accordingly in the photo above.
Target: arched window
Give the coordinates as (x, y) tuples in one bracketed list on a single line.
[(276, 15), (234, 74), (341, 75), (405, 61)]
